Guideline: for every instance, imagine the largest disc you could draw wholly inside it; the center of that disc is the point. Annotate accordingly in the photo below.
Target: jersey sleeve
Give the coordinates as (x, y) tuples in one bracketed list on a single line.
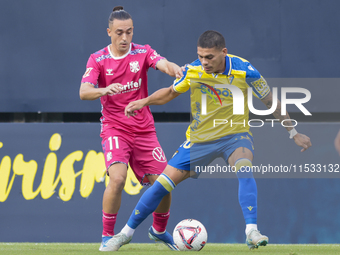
[(92, 72), (255, 80), (182, 84), (152, 57)]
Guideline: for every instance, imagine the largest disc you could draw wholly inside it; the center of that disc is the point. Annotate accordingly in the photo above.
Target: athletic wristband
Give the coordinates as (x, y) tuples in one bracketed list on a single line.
[(292, 133)]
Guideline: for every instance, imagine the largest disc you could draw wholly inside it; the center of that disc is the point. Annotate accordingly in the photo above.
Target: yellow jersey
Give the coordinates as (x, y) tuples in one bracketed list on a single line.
[(219, 101)]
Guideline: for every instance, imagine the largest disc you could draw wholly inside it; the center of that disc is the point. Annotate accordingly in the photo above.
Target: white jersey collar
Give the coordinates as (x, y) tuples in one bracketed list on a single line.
[(120, 56)]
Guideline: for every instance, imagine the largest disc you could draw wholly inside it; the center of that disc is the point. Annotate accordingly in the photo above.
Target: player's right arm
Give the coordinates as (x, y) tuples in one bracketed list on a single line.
[(159, 97), (89, 92)]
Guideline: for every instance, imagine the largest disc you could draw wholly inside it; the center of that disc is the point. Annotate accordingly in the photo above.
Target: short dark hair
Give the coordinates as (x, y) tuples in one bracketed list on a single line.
[(119, 13), (211, 39)]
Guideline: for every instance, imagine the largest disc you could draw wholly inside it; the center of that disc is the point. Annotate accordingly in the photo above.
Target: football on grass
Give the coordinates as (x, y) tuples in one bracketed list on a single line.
[(190, 235)]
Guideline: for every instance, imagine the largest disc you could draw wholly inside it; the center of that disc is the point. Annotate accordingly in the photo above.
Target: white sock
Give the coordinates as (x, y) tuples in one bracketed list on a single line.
[(127, 231), (250, 227), (156, 232)]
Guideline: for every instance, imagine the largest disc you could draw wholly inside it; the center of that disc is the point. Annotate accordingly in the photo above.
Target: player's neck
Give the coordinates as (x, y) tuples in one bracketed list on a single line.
[(117, 53), (222, 69)]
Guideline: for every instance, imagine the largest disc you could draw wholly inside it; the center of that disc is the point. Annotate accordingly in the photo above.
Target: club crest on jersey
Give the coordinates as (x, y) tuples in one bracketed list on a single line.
[(134, 66), (109, 72), (158, 154)]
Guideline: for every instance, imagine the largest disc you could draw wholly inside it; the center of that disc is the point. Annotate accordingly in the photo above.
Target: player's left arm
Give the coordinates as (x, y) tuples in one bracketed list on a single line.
[(170, 68), (262, 91), (300, 139)]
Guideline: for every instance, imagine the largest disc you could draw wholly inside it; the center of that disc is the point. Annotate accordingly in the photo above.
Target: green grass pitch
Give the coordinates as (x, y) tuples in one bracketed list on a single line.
[(151, 249)]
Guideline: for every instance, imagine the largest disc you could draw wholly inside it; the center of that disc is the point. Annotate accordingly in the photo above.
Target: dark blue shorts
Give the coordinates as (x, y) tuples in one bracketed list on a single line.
[(190, 155)]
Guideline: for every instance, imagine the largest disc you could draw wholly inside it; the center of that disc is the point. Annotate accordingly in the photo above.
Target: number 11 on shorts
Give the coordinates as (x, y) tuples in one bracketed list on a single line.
[(116, 142)]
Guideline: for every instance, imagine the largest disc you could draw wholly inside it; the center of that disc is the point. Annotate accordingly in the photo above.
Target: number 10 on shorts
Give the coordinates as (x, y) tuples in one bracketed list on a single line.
[(115, 138)]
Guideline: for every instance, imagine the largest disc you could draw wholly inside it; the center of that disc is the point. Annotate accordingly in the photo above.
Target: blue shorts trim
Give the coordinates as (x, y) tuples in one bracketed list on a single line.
[(190, 155)]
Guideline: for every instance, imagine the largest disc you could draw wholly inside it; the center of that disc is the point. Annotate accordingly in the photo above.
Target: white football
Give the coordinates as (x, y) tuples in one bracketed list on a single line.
[(190, 235)]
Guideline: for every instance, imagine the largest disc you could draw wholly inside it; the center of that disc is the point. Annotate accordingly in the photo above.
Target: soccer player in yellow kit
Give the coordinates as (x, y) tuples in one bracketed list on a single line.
[(215, 79)]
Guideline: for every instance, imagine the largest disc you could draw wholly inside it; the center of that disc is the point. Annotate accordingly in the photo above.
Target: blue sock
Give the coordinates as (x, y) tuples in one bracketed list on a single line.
[(150, 200), (247, 191)]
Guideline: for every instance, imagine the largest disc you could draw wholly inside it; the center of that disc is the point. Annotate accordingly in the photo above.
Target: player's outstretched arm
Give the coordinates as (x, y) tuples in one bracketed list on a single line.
[(88, 92), (170, 68), (159, 97), (300, 139), (337, 142)]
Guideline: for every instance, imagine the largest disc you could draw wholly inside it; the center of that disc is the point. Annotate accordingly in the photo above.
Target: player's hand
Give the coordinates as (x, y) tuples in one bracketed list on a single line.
[(113, 89), (132, 107), (179, 71), (337, 142), (302, 141)]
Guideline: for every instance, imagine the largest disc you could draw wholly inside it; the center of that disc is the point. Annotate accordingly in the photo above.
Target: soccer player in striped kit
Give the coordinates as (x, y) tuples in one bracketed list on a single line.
[(117, 74)]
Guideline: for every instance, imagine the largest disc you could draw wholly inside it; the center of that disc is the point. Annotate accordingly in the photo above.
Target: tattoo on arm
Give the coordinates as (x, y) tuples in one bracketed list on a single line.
[(182, 171), (268, 101)]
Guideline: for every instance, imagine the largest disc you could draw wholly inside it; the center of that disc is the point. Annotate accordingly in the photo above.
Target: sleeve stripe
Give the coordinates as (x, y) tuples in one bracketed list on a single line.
[(89, 83), (180, 80)]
